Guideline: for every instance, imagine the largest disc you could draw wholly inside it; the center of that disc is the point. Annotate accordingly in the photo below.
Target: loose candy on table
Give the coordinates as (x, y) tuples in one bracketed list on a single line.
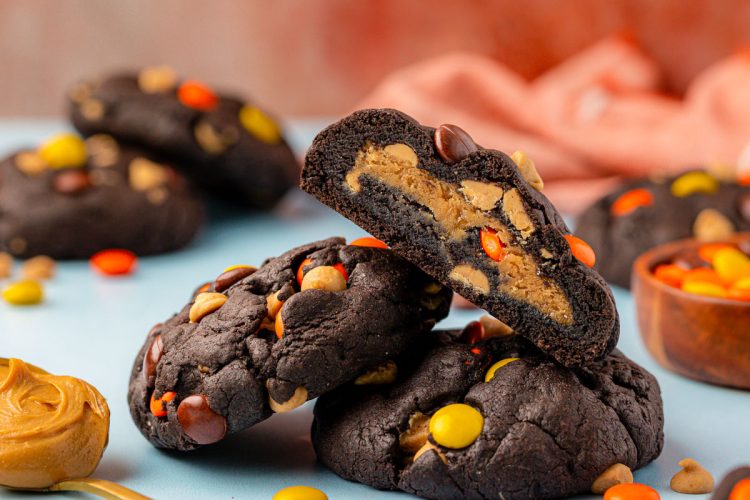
[(300, 493), (23, 293), (631, 491), (114, 262)]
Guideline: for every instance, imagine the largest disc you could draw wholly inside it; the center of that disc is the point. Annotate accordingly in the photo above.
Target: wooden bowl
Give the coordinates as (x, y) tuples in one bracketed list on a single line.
[(704, 338)]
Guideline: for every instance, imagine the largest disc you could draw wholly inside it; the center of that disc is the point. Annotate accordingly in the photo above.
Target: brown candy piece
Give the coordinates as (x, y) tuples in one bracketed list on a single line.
[(199, 421), (229, 278), (151, 359), (71, 182), (453, 143), (743, 205), (472, 333)]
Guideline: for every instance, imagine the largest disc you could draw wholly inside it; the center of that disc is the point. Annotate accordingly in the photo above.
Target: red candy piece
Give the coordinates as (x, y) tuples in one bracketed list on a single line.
[(631, 491), (159, 406), (199, 421), (491, 244), (472, 333), (114, 262), (629, 201), (368, 241), (581, 250), (195, 95), (340, 268)]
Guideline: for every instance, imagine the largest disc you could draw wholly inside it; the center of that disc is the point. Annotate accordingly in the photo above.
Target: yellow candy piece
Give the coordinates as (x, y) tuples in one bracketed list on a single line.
[(456, 425), (730, 264), (491, 372), (237, 266), (64, 151), (742, 284), (23, 293), (260, 125), (300, 493), (704, 288), (694, 182)]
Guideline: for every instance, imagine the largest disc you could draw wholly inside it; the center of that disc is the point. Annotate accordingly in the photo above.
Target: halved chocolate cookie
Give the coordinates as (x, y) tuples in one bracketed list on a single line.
[(71, 198), (492, 419), (474, 220), (228, 146), (256, 342)]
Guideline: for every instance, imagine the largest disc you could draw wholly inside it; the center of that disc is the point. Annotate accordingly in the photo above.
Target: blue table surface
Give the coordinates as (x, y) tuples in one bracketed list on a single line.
[(91, 327)]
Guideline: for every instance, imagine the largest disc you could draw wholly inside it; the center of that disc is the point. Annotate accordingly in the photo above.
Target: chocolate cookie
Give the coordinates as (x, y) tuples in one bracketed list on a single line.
[(72, 198), (735, 485), (647, 213), (257, 342), (471, 218), (230, 147), (494, 419)]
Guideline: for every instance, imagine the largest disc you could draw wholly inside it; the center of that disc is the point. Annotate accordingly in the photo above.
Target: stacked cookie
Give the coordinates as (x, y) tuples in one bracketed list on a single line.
[(534, 403), (124, 185), (709, 206)]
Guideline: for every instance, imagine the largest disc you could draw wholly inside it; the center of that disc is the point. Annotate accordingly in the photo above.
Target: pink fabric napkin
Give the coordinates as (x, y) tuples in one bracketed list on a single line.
[(589, 122)]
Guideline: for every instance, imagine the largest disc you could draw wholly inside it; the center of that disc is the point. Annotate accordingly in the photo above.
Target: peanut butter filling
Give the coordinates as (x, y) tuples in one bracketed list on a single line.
[(459, 210), (52, 428)]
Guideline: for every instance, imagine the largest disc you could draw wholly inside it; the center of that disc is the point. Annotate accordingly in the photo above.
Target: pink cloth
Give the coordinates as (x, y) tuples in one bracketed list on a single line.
[(589, 122)]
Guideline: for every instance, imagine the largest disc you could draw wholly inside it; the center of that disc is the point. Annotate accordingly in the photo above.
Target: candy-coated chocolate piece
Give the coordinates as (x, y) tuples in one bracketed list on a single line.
[(694, 182), (23, 293), (741, 490), (706, 252), (114, 262), (64, 151), (703, 275), (368, 241), (704, 288), (491, 244), (631, 491), (196, 95), (300, 493), (456, 426), (199, 421), (301, 270), (151, 359), (670, 274), (581, 250), (472, 332), (259, 124), (629, 201), (159, 406), (453, 143), (232, 275), (494, 368), (731, 264), (71, 181), (340, 268)]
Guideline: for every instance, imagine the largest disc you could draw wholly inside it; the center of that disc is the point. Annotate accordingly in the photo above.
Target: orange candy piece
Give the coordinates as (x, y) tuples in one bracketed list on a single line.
[(114, 262), (195, 95), (368, 241), (159, 406), (708, 251), (581, 250), (631, 491), (491, 244), (741, 490), (631, 200), (301, 272), (671, 274), (702, 275)]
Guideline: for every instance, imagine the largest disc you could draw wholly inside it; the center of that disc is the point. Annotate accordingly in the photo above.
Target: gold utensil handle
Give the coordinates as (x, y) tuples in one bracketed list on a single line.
[(100, 488)]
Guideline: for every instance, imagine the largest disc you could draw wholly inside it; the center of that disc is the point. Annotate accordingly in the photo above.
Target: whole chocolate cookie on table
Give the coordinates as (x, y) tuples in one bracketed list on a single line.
[(228, 146), (491, 419), (649, 212), (71, 198), (472, 218), (260, 341)]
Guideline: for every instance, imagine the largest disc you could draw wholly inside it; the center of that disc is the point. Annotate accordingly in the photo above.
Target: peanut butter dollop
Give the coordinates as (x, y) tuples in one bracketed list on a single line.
[(52, 428)]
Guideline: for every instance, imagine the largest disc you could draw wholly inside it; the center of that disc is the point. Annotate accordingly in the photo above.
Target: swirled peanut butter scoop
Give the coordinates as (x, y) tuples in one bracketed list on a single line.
[(52, 428)]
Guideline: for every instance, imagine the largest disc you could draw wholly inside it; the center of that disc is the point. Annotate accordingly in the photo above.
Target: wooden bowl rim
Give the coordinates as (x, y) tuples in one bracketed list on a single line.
[(646, 261)]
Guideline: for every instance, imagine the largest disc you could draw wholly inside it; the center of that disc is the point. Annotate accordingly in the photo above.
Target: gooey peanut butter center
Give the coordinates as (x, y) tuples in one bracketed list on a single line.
[(52, 428), (460, 210)]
